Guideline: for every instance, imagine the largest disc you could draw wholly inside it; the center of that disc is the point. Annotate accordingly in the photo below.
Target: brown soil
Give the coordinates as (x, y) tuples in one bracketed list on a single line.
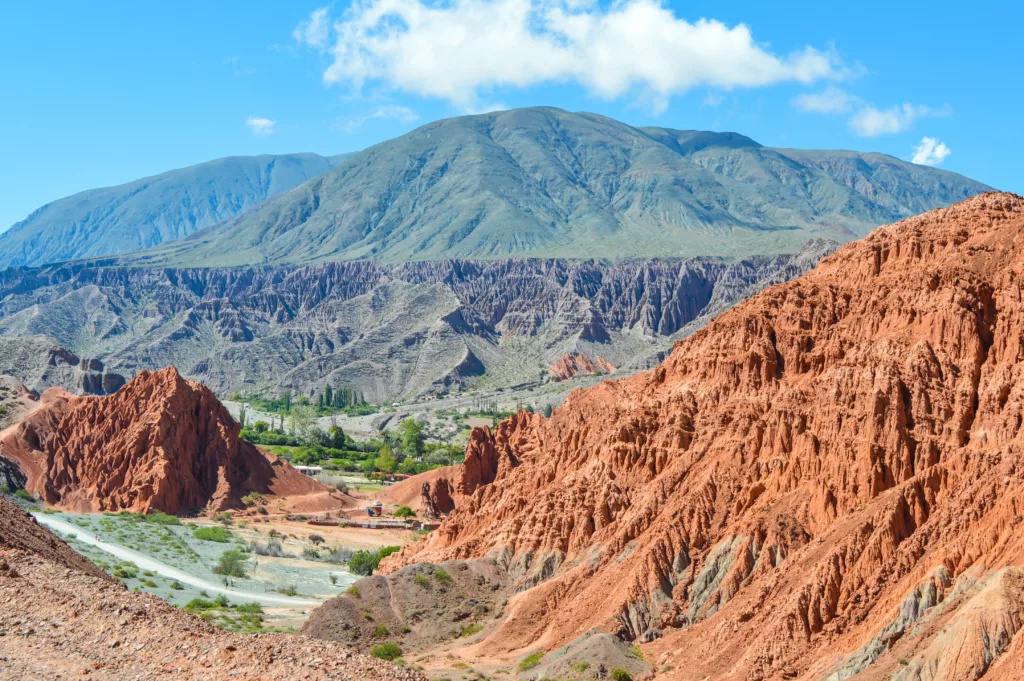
[(160, 442), (824, 482), (61, 618)]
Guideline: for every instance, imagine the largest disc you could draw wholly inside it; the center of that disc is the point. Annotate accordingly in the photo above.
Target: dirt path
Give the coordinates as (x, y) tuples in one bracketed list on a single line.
[(146, 563)]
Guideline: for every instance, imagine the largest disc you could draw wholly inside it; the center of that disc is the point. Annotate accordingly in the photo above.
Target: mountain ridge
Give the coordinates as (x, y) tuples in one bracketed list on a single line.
[(147, 211)]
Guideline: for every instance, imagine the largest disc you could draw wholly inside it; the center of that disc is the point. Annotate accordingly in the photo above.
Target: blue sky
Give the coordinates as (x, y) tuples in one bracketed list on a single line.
[(95, 94)]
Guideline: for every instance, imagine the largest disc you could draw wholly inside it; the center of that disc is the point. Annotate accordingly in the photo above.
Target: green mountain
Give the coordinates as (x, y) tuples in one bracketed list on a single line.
[(155, 209), (546, 182)]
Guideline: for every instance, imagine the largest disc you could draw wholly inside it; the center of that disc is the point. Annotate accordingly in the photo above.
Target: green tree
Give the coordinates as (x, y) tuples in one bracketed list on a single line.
[(302, 420), (260, 426), (386, 461), (413, 437)]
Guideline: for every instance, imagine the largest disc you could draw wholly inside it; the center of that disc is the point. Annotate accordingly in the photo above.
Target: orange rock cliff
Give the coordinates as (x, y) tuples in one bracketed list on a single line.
[(825, 482), (160, 443)]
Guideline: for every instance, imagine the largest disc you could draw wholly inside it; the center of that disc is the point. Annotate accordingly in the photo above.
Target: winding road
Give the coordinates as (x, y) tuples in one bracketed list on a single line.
[(145, 562)]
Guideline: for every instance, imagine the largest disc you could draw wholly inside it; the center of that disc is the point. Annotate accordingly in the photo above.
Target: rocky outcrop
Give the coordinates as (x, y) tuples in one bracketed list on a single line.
[(577, 364), (825, 481), (436, 497), (386, 330), (160, 443)]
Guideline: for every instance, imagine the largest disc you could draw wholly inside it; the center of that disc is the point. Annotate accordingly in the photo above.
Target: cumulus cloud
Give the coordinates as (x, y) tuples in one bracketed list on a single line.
[(872, 122), (930, 152), (260, 125), (458, 49), (831, 100), (314, 31)]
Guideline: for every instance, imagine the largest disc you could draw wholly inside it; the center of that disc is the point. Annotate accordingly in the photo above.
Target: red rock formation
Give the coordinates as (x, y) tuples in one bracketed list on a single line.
[(828, 479), (161, 442), (577, 364)]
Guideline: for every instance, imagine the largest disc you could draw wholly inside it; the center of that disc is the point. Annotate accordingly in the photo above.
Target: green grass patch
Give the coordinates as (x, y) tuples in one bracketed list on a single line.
[(531, 661)]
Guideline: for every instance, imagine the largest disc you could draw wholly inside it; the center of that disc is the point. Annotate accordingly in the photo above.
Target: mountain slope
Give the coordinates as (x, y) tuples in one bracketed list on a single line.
[(546, 182), (823, 483), (155, 209), (388, 330)]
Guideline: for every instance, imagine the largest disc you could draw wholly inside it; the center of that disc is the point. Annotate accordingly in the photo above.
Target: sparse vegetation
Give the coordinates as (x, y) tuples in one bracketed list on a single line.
[(636, 653), (531, 661), (381, 631), (442, 577), (422, 581), (620, 674), (387, 651), (405, 512), (580, 666), (24, 494), (470, 629), (353, 591)]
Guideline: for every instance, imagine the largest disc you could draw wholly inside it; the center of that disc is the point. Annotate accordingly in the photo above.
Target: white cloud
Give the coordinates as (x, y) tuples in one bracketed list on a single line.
[(395, 112), (314, 31), (458, 50), (712, 100), (260, 125), (872, 122), (831, 100), (930, 152)]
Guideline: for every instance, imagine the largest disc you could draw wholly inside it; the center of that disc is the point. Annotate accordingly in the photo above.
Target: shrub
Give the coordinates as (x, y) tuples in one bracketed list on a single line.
[(334, 579), (442, 576), (231, 563), (249, 608), (364, 562), (177, 586), (252, 498), (271, 548), (24, 494), (222, 601), (531, 661), (620, 674), (470, 629), (422, 580), (290, 590), (309, 553), (405, 512), (353, 591), (126, 571), (580, 667), (217, 534), (199, 605), (161, 518), (381, 631), (387, 651), (636, 653)]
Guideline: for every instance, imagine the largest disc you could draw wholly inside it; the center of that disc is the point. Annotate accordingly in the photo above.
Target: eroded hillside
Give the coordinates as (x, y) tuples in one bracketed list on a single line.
[(386, 330), (824, 482)]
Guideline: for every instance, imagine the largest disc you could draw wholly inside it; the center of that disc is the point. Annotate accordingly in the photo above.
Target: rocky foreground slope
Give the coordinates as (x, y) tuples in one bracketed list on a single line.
[(386, 330), (62, 618), (160, 443), (824, 483)]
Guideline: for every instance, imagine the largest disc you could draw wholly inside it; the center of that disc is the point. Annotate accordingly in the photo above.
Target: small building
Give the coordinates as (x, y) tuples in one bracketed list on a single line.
[(311, 471)]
